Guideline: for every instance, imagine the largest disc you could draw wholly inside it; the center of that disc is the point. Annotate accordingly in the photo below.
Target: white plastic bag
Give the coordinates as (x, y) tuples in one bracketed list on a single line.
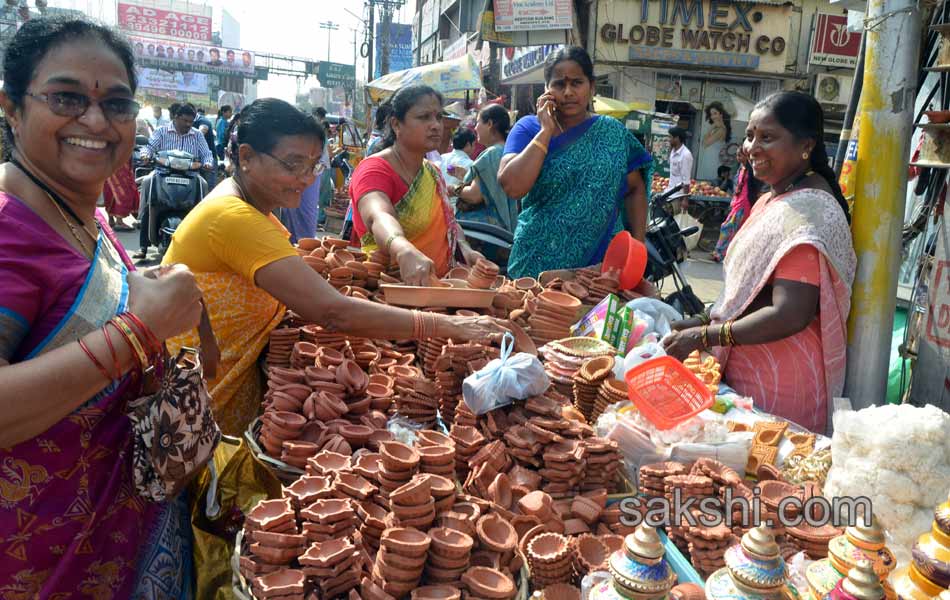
[(662, 314), (505, 379)]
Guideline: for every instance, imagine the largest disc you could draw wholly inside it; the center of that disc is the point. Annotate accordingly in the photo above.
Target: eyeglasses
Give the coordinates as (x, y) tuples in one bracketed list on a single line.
[(75, 105), (298, 170)]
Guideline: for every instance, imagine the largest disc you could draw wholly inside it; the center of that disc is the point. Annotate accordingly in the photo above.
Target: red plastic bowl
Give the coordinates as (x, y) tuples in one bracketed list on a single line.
[(666, 392), (627, 255)]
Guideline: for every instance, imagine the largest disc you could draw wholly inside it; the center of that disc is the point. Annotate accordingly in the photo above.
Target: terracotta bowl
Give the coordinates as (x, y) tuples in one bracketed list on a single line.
[(427, 437), (591, 552), (613, 542), (450, 543), (356, 435), (398, 456), (440, 486), (309, 244), (436, 455), (548, 547), (559, 300), (407, 542), (422, 511), (488, 583), (496, 534)]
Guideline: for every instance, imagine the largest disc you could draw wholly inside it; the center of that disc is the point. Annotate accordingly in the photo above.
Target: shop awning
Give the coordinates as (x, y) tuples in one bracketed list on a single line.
[(449, 78), (617, 108)]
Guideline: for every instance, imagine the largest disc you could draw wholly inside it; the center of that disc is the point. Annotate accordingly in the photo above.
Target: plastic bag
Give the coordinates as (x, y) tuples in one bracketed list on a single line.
[(685, 221), (505, 379), (660, 312), (232, 485)]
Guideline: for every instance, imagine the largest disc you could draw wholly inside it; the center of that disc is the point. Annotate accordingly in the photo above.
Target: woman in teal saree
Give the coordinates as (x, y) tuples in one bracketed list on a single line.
[(582, 176)]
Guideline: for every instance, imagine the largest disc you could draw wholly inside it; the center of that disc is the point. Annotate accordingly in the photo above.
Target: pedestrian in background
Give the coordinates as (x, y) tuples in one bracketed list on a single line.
[(455, 164), (481, 197), (220, 129)]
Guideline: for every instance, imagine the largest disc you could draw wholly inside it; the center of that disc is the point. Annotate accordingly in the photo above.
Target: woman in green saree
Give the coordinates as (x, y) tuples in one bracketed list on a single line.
[(583, 176), (481, 197)]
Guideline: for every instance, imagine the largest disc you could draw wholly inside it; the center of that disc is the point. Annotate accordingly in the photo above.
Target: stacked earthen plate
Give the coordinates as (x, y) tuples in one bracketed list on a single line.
[(335, 564), (281, 345), (553, 316), (587, 382), (550, 559)]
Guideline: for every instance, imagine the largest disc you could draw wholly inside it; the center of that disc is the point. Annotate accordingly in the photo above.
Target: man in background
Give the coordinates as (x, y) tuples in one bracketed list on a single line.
[(158, 120), (681, 163), (455, 164), (204, 125)]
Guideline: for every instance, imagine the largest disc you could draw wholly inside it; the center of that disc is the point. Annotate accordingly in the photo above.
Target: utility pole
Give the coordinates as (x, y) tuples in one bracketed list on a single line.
[(388, 7), (371, 37), (892, 39), (330, 26)]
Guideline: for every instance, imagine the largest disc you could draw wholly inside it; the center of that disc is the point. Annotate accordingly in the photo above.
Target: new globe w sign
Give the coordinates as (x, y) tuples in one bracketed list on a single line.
[(336, 75)]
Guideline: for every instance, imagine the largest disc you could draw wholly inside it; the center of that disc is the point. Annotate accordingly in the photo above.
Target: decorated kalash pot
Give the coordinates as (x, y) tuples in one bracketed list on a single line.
[(754, 570), (639, 571), (859, 542), (928, 575), (862, 583)]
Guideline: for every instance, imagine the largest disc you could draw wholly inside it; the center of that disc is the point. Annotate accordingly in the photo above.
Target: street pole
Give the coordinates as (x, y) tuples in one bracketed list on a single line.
[(886, 108), (330, 26), (371, 74)]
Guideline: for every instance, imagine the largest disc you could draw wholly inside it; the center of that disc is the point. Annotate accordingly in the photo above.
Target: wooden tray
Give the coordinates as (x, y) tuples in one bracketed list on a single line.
[(424, 297)]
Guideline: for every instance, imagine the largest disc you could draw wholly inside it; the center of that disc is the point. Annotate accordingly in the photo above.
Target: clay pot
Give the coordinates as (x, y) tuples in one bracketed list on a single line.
[(497, 534), (398, 456), (488, 583), (435, 592), (500, 491), (414, 493), (427, 437), (591, 552), (406, 542), (450, 543)]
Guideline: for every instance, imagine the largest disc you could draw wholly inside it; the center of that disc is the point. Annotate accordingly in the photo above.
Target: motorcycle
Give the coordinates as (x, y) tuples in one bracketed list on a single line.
[(666, 250), (170, 192), (141, 164)]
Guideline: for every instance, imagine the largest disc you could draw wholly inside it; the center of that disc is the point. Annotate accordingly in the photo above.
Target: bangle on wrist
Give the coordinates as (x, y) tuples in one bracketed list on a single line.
[(115, 357), (94, 360), (721, 336), (540, 146), (391, 239), (704, 336), (132, 340)]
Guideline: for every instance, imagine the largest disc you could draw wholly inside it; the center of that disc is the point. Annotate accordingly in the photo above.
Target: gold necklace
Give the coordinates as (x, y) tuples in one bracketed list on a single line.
[(72, 228), (403, 165)]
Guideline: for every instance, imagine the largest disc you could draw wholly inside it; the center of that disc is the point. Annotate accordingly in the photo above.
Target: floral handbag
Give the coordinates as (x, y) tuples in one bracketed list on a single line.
[(175, 433)]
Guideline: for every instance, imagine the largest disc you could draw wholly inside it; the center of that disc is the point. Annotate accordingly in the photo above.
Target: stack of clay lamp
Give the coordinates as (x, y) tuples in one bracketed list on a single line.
[(563, 359), (483, 275), (417, 397), (587, 383), (552, 316), (347, 269), (611, 391), (706, 546)]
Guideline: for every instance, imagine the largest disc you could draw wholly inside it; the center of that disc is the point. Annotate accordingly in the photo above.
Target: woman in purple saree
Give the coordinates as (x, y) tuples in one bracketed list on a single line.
[(71, 521)]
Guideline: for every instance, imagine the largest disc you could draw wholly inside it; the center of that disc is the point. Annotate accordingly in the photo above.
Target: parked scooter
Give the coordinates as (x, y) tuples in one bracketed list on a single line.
[(141, 164), (171, 191), (666, 250)]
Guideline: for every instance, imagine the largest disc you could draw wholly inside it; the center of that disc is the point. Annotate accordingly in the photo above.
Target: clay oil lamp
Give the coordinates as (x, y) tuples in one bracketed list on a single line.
[(398, 457), (862, 583), (284, 582), (591, 554), (450, 544), (428, 438), (754, 570), (406, 542), (270, 515), (436, 592), (496, 534), (483, 582)]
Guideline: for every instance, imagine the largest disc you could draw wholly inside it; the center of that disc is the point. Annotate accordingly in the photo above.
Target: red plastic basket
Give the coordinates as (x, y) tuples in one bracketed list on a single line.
[(666, 392)]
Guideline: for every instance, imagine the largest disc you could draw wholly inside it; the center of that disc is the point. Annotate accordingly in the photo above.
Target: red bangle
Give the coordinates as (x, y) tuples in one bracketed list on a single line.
[(143, 330), (128, 342), (95, 360), (115, 357)]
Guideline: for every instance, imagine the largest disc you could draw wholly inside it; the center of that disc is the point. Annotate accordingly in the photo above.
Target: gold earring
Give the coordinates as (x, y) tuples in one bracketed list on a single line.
[(804, 155)]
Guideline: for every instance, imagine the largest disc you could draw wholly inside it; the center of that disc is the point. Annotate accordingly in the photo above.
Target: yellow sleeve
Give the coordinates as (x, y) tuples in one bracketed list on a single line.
[(246, 240)]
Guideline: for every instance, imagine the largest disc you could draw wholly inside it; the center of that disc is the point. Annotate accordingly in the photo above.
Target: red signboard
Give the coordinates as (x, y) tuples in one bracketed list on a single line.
[(832, 44), (938, 313), (148, 21)]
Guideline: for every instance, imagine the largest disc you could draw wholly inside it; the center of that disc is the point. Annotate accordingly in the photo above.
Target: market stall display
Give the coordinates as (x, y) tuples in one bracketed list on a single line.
[(398, 484)]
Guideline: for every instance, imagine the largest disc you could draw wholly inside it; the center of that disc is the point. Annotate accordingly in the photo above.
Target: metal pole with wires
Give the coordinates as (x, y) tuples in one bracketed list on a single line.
[(330, 26)]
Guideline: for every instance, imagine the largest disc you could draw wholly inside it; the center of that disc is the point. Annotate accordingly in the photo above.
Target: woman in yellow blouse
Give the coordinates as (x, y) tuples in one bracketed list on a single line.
[(250, 274)]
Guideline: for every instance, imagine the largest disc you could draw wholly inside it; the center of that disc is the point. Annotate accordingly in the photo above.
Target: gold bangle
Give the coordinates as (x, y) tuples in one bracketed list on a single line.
[(133, 339), (389, 241), (540, 146), (722, 340), (732, 339), (704, 318), (705, 336)]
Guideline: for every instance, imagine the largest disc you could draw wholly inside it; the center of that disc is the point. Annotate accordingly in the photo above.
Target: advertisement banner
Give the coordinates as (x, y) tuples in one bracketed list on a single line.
[(146, 19), (832, 44), (180, 81), (528, 15), (400, 48), (445, 77), (336, 75), (173, 55), (488, 31), (518, 61), (703, 34)]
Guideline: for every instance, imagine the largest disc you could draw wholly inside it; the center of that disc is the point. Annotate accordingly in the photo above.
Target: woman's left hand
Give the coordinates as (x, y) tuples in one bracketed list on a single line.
[(680, 344)]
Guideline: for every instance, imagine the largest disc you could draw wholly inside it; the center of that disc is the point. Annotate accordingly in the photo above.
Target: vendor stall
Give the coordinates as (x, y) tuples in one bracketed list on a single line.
[(435, 470)]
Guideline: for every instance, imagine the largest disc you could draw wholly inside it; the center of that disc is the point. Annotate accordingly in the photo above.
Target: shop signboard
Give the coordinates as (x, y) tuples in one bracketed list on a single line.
[(518, 61), (488, 31), (722, 125), (533, 15), (704, 34), (179, 20), (336, 75), (181, 81), (400, 48), (430, 18), (832, 44), (200, 58), (456, 49)]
